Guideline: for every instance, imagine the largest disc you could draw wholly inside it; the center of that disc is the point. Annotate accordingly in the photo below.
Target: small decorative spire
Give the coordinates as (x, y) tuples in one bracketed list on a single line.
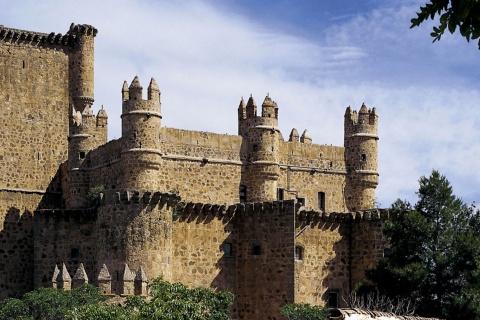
[(306, 138), (80, 278), (294, 136), (135, 83), (56, 272)]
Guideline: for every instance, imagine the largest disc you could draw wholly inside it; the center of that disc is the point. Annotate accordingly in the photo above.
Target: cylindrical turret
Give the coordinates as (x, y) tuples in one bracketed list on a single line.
[(83, 125), (141, 122), (361, 158), (264, 140)]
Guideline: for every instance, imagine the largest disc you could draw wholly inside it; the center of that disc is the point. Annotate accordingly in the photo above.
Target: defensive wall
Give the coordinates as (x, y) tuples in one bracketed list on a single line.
[(249, 249)]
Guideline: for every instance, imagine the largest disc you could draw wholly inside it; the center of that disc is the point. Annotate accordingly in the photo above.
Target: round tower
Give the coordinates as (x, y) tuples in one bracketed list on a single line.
[(141, 122), (82, 136), (82, 121), (263, 140), (361, 158)]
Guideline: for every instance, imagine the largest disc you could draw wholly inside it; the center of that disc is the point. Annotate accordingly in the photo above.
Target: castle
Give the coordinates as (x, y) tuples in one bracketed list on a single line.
[(274, 221)]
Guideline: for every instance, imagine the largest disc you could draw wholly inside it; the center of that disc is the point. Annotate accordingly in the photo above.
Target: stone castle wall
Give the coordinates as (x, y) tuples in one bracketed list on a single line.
[(248, 249), (336, 249), (34, 100)]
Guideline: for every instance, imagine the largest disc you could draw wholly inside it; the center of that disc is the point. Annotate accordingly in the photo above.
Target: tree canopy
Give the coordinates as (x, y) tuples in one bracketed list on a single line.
[(461, 14), (434, 254)]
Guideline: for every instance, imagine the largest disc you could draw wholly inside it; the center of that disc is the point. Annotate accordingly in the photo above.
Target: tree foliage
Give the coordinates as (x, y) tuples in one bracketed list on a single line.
[(167, 301), (434, 254), (461, 14), (303, 311)]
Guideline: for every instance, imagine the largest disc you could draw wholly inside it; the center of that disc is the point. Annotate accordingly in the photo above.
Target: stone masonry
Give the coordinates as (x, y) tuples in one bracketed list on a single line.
[(272, 220)]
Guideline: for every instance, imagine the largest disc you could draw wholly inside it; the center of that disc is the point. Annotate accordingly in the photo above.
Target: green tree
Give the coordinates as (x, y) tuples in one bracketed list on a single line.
[(49, 303), (167, 302), (461, 14), (434, 254), (303, 311)]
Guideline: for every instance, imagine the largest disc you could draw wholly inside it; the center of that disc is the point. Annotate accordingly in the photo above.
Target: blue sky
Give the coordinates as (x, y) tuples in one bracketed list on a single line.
[(314, 58)]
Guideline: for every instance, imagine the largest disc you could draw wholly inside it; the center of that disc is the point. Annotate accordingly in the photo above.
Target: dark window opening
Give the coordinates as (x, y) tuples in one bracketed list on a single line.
[(255, 148), (321, 201), (24, 64), (298, 253), (75, 255), (227, 250), (280, 194), (256, 250), (332, 299), (243, 194), (364, 157), (331, 164), (301, 201), (81, 155)]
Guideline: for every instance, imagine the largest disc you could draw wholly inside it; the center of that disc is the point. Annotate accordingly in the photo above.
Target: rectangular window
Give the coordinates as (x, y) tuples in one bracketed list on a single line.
[(301, 201), (255, 148), (321, 201), (227, 250), (256, 250), (280, 194), (332, 298), (298, 253), (243, 193)]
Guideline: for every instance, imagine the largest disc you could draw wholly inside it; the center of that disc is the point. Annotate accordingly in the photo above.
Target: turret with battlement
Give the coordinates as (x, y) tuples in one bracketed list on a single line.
[(262, 136), (141, 122), (361, 157)]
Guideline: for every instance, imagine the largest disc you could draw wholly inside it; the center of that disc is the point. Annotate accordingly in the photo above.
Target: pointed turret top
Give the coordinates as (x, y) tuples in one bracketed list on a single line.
[(251, 102), (306, 138), (242, 104), (153, 85), (269, 102), (64, 275), (102, 113), (141, 275), (104, 274), (81, 274), (363, 109), (56, 272), (374, 111), (348, 112), (293, 135), (135, 83), (127, 274), (125, 86)]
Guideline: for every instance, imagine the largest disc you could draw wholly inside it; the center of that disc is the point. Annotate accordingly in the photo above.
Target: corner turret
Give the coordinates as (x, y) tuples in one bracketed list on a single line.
[(361, 157)]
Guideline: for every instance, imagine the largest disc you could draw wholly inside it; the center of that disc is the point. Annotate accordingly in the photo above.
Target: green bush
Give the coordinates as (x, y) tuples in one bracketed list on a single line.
[(303, 311)]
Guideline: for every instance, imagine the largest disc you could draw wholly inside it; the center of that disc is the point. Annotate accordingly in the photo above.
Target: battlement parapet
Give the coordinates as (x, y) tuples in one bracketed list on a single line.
[(356, 216), (238, 209), (365, 122), (83, 29), (136, 197), (38, 38)]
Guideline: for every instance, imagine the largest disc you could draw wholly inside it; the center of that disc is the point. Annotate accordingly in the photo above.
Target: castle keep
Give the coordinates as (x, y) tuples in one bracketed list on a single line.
[(273, 220)]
